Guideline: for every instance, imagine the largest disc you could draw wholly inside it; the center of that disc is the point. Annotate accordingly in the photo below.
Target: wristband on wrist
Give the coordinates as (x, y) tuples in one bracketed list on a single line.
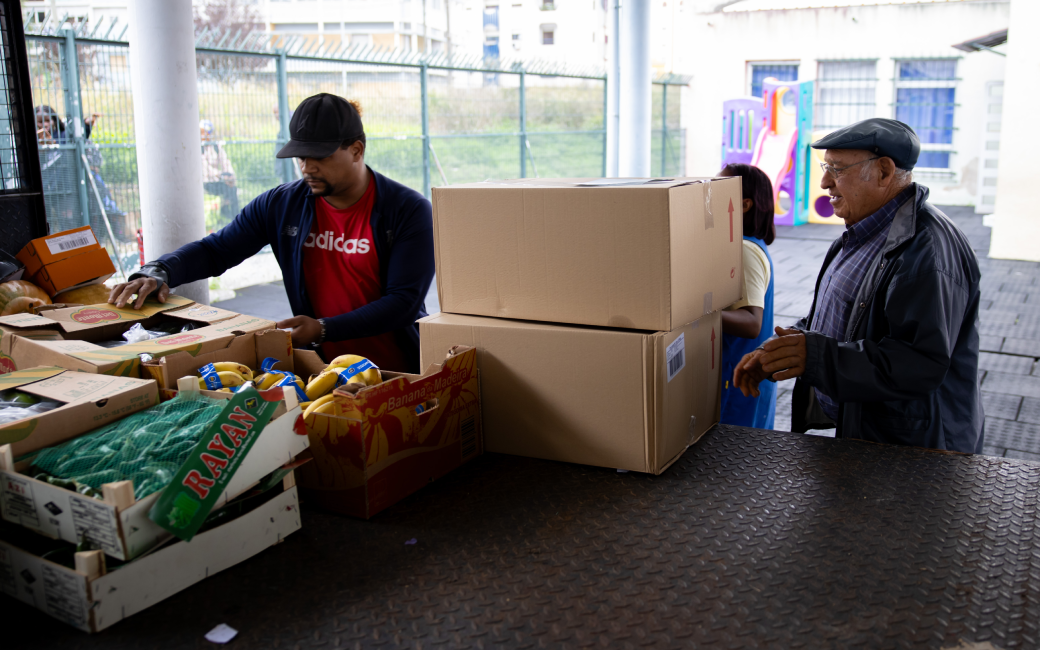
[(321, 338)]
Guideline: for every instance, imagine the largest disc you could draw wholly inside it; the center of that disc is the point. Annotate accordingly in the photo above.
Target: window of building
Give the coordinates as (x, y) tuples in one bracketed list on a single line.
[(491, 47), (925, 91), (547, 37), (762, 71), (548, 5), (845, 93)]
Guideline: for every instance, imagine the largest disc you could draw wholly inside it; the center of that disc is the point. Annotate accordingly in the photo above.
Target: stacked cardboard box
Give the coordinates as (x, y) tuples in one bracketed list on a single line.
[(594, 305)]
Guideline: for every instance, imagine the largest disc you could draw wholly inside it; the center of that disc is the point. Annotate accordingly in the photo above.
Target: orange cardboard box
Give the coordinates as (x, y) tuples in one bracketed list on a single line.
[(92, 267), (393, 438), (60, 246)]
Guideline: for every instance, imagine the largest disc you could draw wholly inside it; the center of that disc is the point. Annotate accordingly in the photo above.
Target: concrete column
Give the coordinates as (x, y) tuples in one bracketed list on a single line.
[(636, 89), (1016, 220), (613, 87), (166, 124)]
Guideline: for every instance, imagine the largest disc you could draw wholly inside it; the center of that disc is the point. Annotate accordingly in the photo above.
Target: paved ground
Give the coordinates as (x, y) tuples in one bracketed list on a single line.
[(1010, 326)]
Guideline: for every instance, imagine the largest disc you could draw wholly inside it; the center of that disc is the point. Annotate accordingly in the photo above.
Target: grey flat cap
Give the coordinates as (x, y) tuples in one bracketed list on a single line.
[(882, 136)]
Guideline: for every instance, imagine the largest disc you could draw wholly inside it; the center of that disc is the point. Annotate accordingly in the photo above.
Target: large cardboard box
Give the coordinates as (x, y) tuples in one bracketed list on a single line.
[(624, 253), (119, 525), (396, 437), (249, 349), (92, 599), (68, 336), (614, 398), (90, 401)]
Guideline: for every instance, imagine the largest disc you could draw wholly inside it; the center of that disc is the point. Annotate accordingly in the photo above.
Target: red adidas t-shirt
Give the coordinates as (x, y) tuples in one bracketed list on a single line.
[(341, 273)]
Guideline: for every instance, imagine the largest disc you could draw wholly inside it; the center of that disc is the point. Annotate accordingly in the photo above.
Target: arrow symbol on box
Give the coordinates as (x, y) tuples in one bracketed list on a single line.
[(713, 346), (731, 219)]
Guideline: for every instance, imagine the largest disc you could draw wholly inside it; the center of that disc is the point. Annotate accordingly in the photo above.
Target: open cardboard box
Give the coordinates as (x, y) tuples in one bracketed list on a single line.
[(119, 525), (249, 350), (91, 598), (67, 336), (405, 432), (90, 401)]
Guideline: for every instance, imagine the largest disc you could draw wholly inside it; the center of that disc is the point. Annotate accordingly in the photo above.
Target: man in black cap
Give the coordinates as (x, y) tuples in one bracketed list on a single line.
[(890, 349), (355, 248)]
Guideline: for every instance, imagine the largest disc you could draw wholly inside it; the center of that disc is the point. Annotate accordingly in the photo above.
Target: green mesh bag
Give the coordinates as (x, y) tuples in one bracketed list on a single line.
[(147, 448)]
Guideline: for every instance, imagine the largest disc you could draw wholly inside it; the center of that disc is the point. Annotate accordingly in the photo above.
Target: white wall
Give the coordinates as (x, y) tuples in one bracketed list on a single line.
[(1016, 227), (717, 47)]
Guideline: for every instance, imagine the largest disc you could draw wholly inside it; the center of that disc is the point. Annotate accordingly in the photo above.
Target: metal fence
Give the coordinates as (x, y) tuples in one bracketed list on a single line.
[(429, 121)]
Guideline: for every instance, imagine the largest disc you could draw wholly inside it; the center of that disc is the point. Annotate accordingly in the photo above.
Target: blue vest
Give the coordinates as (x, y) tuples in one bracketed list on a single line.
[(758, 412)]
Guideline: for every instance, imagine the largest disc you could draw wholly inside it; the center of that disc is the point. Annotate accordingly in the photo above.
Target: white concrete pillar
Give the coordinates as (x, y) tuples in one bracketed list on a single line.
[(636, 88), (1016, 219), (613, 86), (166, 124)]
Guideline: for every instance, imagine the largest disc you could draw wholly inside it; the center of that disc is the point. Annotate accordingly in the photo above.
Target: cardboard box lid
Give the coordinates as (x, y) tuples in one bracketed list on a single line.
[(572, 183)]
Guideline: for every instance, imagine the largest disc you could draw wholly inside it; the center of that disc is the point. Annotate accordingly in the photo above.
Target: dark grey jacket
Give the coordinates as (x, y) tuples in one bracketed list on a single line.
[(907, 372)]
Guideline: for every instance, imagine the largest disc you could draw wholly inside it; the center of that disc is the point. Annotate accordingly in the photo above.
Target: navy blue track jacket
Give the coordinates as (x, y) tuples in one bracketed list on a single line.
[(402, 226)]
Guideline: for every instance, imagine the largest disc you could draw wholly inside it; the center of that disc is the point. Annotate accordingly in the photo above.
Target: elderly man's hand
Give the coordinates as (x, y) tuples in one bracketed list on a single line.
[(748, 373), (784, 356)]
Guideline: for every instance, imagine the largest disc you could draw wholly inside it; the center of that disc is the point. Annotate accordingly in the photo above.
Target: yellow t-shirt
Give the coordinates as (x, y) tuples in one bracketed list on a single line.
[(756, 277)]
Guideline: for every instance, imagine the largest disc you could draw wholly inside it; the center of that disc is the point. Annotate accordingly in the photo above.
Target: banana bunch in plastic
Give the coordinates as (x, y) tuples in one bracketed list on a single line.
[(344, 369), (223, 376)]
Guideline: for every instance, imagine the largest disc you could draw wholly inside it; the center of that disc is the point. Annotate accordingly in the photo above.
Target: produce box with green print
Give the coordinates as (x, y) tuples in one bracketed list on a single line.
[(130, 485), (105, 339)]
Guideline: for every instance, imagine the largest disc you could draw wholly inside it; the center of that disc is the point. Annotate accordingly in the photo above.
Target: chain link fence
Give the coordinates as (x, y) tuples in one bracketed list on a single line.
[(428, 121)]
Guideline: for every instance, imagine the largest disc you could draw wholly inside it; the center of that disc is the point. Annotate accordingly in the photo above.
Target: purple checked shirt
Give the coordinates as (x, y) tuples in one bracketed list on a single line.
[(860, 244)]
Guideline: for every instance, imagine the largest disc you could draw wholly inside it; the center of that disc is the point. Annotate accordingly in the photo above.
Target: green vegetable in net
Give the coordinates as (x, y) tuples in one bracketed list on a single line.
[(147, 448)]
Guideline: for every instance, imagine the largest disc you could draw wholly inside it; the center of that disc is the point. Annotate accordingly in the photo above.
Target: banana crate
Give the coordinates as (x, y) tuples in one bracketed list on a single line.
[(121, 524), (374, 443)]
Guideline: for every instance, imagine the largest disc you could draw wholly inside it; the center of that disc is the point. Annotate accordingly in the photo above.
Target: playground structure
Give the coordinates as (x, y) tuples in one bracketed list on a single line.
[(780, 126)]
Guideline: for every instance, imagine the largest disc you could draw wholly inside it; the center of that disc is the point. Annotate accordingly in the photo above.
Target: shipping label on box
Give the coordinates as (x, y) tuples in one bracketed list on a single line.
[(613, 398), (622, 253), (392, 439)]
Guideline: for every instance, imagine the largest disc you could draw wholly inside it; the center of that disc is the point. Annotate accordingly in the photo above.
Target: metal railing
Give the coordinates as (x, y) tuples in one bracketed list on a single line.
[(430, 119)]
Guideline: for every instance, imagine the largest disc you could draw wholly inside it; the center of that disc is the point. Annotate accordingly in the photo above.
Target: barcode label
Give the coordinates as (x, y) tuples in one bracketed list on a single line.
[(468, 437), (675, 356), (63, 243)]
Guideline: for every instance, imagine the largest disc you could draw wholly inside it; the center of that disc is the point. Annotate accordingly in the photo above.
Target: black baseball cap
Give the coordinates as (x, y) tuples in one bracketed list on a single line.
[(879, 135), (320, 125)]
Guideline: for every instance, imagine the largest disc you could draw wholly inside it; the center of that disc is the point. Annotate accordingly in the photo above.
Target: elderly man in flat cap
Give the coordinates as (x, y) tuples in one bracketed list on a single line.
[(890, 349)]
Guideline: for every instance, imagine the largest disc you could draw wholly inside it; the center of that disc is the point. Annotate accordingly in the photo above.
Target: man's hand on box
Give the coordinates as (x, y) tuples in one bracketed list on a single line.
[(305, 330), (784, 356), (122, 294)]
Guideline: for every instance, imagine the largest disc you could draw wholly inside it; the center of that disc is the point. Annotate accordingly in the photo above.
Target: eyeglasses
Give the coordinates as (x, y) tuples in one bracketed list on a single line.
[(837, 172)]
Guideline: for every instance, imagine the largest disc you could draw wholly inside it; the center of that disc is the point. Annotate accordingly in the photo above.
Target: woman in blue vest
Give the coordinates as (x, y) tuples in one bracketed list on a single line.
[(749, 322)]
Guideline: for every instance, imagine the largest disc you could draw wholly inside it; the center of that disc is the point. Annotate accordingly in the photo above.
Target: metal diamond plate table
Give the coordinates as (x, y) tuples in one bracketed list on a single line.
[(753, 539)]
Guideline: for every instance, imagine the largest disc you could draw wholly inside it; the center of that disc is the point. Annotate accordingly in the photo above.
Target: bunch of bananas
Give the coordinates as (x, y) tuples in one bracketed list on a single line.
[(224, 376), (344, 369)]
